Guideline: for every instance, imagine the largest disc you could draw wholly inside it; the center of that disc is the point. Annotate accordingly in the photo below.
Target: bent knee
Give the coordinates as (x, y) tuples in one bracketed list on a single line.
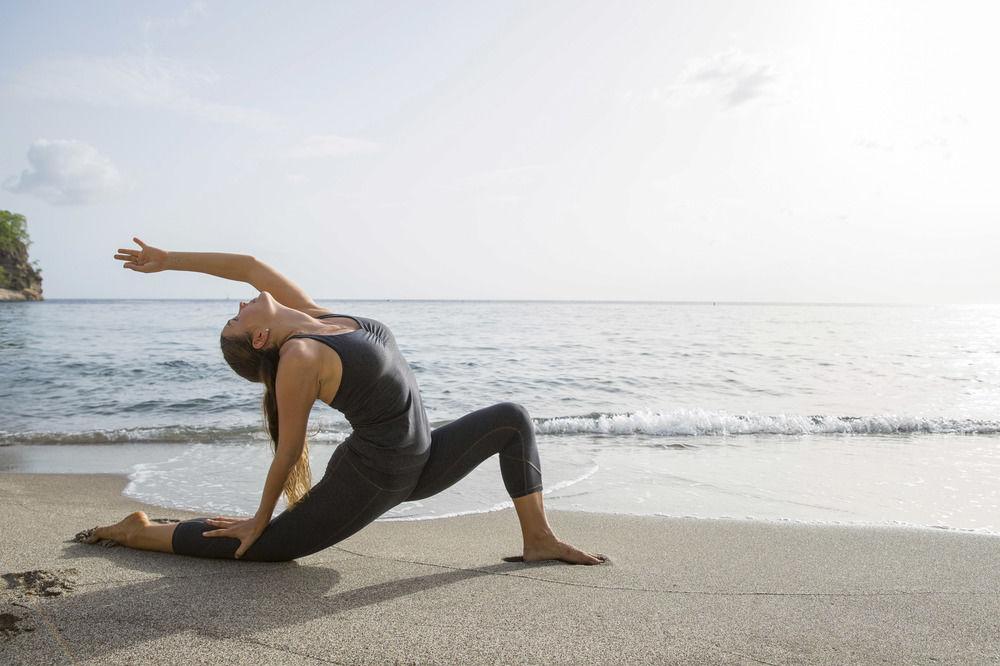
[(516, 414)]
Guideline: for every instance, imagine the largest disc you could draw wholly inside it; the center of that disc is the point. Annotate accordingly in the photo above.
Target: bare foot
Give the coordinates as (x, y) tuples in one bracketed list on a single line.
[(556, 549), (121, 530)]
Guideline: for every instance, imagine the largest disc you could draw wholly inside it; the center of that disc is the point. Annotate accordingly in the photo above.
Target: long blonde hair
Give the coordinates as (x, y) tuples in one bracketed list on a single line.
[(262, 366)]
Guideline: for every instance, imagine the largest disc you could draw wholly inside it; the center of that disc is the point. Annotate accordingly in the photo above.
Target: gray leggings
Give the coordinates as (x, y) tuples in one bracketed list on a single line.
[(350, 495)]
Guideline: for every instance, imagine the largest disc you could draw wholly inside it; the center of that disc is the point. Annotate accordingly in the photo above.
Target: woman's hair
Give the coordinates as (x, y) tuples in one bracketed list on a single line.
[(262, 366)]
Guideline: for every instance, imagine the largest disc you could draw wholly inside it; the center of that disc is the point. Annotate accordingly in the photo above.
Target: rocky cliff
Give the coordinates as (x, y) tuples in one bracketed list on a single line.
[(19, 279)]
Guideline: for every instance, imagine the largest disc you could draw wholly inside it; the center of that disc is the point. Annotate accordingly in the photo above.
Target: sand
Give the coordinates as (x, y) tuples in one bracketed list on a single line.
[(677, 590)]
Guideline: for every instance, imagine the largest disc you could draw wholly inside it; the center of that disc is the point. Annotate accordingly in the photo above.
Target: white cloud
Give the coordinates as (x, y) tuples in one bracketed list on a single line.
[(734, 77), (869, 143), (193, 11), (332, 145), (132, 81), (67, 172)]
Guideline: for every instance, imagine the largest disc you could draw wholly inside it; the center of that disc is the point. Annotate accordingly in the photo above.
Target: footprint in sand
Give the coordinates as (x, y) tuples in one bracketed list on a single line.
[(41, 583), (10, 627)]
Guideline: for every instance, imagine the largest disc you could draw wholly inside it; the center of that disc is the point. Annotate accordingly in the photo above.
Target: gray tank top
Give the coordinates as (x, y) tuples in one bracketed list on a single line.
[(379, 396)]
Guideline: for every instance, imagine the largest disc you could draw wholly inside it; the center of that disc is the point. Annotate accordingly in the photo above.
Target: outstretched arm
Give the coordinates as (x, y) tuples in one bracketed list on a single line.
[(239, 267), (153, 260), (297, 387)]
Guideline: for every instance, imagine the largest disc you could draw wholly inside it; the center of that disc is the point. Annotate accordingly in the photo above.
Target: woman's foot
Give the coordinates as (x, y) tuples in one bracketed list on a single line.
[(552, 548), (120, 531)]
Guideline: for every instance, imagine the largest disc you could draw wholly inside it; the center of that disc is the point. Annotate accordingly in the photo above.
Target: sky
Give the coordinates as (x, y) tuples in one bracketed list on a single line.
[(711, 151)]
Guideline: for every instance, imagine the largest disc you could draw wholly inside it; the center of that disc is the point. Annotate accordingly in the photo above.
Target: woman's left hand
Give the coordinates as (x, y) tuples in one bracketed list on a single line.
[(247, 531)]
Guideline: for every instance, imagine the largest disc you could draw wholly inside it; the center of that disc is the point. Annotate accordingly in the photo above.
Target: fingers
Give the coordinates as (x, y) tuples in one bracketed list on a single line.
[(224, 522), (133, 258), (141, 244), (226, 532)]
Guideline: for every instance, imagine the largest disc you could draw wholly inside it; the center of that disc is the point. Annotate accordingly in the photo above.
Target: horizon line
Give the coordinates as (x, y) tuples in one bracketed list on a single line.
[(547, 300)]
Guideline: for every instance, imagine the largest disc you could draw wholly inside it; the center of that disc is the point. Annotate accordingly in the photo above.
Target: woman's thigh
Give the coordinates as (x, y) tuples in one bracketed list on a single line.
[(340, 504), (462, 445)]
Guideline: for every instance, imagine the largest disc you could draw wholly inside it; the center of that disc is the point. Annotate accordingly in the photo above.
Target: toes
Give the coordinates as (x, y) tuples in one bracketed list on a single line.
[(96, 535), (86, 536), (582, 557), (567, 554)]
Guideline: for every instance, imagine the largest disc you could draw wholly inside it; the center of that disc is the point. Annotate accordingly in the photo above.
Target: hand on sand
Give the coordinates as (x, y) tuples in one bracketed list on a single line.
[(246, 530), (147, 260)]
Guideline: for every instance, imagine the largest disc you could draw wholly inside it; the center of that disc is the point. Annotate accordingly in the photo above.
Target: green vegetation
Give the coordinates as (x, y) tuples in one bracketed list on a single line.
[(13, 230)]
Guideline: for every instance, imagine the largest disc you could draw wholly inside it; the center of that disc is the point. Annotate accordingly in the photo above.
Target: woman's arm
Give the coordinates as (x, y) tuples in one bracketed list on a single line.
[(221, 264), (297, 388), (240, 267), (151, 259)]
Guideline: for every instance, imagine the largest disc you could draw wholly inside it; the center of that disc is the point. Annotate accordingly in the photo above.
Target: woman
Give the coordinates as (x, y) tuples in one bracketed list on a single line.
[(303, 353)]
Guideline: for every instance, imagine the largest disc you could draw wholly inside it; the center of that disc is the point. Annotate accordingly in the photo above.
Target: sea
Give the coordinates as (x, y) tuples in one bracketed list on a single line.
[(877, 415)]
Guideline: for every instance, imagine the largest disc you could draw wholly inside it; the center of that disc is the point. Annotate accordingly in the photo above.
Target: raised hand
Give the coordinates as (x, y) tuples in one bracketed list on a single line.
[(148, 259)]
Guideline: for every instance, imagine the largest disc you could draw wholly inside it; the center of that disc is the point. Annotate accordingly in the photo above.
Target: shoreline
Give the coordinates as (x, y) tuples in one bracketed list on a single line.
[(675, 590), (179, 493), (781, 522)]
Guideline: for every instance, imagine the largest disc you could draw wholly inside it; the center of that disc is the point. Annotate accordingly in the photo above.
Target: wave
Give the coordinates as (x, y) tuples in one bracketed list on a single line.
[(680, 423), (693, 423), (167, 434)]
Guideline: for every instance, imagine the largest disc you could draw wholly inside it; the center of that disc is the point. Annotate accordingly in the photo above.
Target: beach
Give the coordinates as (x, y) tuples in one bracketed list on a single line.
[(676, 590), (712, 285)]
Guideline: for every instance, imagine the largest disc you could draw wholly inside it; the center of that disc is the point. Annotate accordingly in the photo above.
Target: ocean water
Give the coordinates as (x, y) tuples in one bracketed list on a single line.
[(861, 415)]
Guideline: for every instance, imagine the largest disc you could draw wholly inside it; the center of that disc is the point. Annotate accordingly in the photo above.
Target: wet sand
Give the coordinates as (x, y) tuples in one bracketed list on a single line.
[(677, 590)]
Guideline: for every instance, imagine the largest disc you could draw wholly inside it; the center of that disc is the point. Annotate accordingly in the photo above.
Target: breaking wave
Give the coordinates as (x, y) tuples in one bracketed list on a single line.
[(700, 423)]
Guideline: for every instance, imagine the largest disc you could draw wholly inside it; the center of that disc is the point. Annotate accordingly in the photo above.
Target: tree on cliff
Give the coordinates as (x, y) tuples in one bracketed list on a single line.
[(16, 273), (13, 230)]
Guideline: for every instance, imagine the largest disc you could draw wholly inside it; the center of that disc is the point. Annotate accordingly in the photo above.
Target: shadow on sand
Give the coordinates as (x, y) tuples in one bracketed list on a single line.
[(217, 598)]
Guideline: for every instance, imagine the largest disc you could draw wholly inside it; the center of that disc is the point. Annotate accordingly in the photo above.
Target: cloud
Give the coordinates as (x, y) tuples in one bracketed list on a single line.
[(193, 11), (67, 172), (133, 81), (869, 143), (735, 78), (332, 145)]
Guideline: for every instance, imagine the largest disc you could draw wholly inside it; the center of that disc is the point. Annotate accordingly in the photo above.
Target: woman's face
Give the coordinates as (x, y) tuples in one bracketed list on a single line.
[(254, 317)]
